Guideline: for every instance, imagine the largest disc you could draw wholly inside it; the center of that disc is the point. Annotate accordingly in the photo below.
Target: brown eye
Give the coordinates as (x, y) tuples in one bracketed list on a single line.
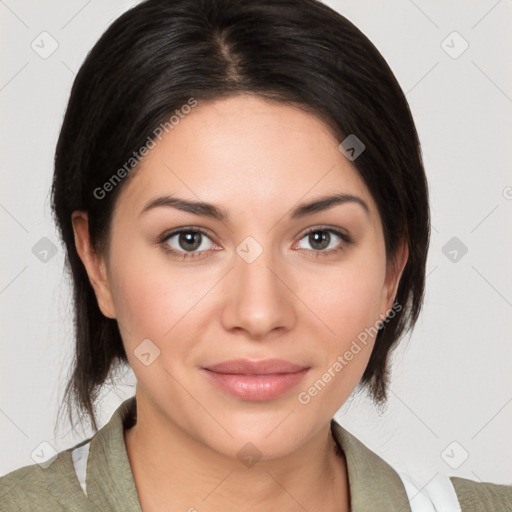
[(323, 240), (319, 240), (187, 242)]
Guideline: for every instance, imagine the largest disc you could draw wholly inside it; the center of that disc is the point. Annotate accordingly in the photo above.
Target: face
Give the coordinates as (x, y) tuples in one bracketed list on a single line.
[(268, 280)]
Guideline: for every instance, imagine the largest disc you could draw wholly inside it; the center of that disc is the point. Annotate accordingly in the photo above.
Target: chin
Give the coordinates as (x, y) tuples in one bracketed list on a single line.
[(260, 436)]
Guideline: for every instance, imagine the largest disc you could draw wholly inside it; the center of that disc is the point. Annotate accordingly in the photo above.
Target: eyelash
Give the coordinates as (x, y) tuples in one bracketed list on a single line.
[(346, 240)]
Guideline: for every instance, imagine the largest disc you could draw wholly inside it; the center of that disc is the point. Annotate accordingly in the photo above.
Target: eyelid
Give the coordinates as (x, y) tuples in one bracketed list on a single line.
[(185, 229), (343, 233)]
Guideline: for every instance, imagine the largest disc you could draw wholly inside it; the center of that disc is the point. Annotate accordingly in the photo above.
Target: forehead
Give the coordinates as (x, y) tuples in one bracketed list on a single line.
[(248, 153)]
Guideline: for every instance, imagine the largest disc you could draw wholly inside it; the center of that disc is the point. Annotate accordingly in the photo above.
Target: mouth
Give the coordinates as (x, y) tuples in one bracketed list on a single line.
[(256, 380)]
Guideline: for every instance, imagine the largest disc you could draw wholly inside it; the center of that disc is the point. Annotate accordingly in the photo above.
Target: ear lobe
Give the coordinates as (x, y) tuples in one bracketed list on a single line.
[(93, 262), (394, 272)]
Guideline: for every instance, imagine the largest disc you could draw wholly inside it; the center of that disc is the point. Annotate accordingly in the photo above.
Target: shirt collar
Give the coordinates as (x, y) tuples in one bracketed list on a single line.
[(110, 481), (372, 481)]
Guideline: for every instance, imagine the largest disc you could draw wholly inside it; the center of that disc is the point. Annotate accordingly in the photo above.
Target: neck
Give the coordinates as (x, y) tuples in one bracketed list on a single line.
[(174, 471)]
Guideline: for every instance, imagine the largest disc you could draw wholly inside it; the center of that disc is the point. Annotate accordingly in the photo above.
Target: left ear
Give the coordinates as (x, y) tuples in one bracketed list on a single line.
[(394, 270)]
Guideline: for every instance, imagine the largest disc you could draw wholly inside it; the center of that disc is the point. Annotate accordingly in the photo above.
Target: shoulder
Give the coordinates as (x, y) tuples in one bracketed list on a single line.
[(52, 487), (61, 484), (421, 489), (482, 496)]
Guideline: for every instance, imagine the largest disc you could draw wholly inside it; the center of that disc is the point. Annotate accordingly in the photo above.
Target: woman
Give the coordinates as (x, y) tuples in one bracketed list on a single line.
[(240, 190)]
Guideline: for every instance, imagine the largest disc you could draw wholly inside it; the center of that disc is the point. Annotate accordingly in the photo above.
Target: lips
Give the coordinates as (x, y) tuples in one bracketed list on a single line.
[(264, 367), (256, 380)]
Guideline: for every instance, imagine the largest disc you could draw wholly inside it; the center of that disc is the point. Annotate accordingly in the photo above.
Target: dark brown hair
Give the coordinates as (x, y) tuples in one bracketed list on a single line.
[(158, 55)]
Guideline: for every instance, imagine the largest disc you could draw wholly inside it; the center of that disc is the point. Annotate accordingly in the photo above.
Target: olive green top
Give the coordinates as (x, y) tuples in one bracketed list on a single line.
[(110, 486)]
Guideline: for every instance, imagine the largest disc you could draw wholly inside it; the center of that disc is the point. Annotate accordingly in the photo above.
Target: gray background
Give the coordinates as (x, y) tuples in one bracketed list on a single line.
[(450, 405)]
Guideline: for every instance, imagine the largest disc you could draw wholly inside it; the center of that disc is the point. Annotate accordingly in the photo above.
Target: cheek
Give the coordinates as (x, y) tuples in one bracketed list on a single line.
[(350, 299), (153, 297), (144, 294), (349, 307)]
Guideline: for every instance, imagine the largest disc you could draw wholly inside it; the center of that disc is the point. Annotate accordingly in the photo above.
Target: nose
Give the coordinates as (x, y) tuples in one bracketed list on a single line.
[(259, 295)]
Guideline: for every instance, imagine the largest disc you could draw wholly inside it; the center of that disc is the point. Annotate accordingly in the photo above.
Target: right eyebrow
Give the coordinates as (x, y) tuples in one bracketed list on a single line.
[(194, 207)]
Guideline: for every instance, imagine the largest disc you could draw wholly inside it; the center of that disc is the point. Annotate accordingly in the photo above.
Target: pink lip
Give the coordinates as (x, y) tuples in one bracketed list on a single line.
[(256, 380)]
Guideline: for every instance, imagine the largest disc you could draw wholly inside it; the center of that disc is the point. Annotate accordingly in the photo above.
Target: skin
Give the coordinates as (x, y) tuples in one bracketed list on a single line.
[(256, 159)]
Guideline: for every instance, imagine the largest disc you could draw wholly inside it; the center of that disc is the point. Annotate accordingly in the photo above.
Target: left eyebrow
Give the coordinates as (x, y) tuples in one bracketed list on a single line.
[(324, 203), (211, 210)]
